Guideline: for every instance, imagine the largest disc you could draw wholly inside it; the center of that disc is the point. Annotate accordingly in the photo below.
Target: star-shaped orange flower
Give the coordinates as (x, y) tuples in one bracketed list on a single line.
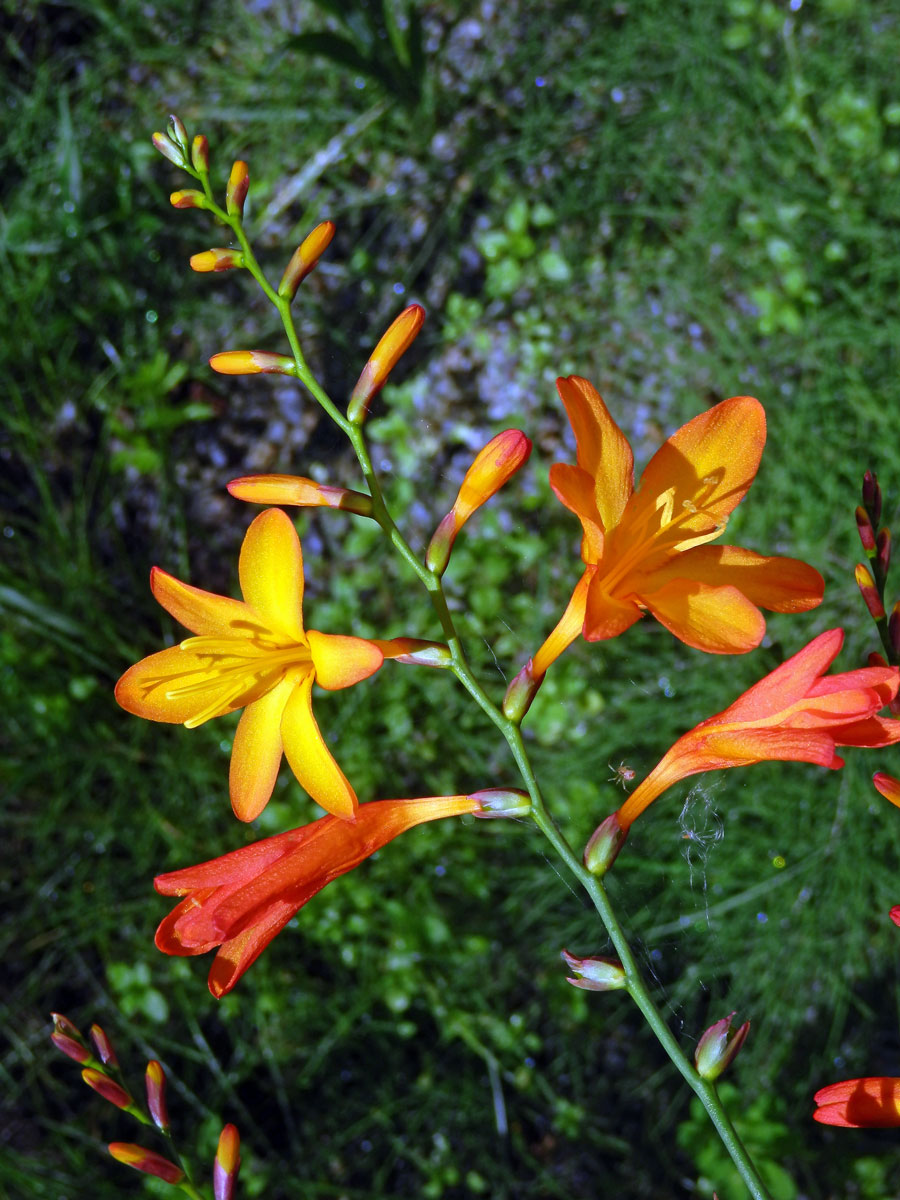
[(254, 654)]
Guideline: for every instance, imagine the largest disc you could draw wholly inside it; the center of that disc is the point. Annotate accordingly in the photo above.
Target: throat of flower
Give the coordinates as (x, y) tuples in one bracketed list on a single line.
[(234, 671)]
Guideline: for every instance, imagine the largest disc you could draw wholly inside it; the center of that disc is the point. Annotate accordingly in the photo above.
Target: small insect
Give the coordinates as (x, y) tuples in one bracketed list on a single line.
[(622, 774)]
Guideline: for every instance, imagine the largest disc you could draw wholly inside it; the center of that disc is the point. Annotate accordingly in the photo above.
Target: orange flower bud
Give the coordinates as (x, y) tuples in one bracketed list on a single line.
[(168, 149), (155, 1080), (200, 153), (595, 974), (227, 1164), (236, 191), (869, 592), (188, 198), (521, 692), (218, 259), (145, 1160), (494, 465), (67, 1038), (296, 490), (103, 1046), (502, 802), (305, 257), (393, 345), (604, 845), (718, 1047), (107, 1088), (252, 362)]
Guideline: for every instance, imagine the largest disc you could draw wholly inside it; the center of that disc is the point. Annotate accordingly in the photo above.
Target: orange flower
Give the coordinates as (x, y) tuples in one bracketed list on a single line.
[(254, 654), (796, 714), (872, 1103), (645, 549), (241, 901)]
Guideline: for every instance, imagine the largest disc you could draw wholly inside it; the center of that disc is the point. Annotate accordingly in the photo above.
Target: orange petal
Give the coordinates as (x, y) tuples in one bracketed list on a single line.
[(603, 449), (710, 463), (143, 688), (719, 620), (493, 466), (607, 616), (788, 683), (860, 1103), (271, 572), (888, 786), (256, 753), (340, 661), (240, 952), (567, 630), (778, 584), (574, 488), (310, 759), (203, 613)]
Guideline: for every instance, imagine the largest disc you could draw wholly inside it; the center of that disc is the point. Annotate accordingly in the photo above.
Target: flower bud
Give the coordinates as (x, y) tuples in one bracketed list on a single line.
[(414, 652), (236, 191), (866, 531), (894, 630), (103, 1046), (883, 547), (888, 786), (869, 592), (718, 1047), (871, 496), (502, 802), (252, 362), (305, 258), (168, 149), (155, 1080), (200, 154), (520, 693), (67, 1038), (220, 258), (147, 1161), (604, 845), (227, 1164), (295, 489), (894, 914), (595, 974), (188, 198), (107, 1088), (494, 465), (393, 345)]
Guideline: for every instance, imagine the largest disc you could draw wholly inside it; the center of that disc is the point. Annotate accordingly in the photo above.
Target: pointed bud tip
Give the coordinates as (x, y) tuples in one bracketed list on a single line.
[(596, 973), (718, 1047), (393, 344), (501, 802)]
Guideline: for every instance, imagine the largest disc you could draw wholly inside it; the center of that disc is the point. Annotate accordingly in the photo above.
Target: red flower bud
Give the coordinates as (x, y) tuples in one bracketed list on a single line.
[(188, 198), (155, 1080), (871, 496), (866, 531), (145, 1160), (200, 154), (103, 1046), (67, 1038), (883, 546), (869, 592), (107, 1088)]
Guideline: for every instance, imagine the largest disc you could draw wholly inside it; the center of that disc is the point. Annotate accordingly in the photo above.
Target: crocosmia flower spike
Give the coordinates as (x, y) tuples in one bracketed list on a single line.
[(254, 654), (872, 1103), (241, 901), (796, 714), (494, 466), (645, 550)]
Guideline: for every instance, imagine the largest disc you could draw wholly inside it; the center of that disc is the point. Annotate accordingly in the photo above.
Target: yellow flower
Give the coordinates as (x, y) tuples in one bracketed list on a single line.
[(254, 654)]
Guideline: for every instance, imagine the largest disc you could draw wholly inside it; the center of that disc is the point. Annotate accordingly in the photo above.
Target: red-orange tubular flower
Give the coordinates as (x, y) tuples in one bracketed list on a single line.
[(796, 714), (241, 901), (872, 1103), (646, 550)]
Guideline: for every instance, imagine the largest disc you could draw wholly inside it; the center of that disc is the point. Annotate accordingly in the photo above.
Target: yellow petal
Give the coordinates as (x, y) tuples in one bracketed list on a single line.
[(202, 612), (271, 572), (778, 584), (309, 757), (256, 754), (177, 686), (342, 661), (603, 449), (719, 620), (703, 471)]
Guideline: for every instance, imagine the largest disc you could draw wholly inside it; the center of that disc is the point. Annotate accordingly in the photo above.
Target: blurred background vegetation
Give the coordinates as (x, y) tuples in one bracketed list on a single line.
[(681, 202)]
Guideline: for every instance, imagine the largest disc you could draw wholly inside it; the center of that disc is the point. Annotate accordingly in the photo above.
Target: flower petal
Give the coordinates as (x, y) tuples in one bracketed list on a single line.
[(240, 952), (707, 465), (203, 613), (778, 584), (788, 683), (574, 488), (605, 615), (309, 757), (271, 572), (158, 688), (567, 630), (341, 661), (719, 620), (603, 449), (872, 1103), (256, 753)]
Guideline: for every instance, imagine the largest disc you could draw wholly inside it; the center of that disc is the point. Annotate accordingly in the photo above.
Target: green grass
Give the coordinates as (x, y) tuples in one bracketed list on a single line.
[(699, 201)]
